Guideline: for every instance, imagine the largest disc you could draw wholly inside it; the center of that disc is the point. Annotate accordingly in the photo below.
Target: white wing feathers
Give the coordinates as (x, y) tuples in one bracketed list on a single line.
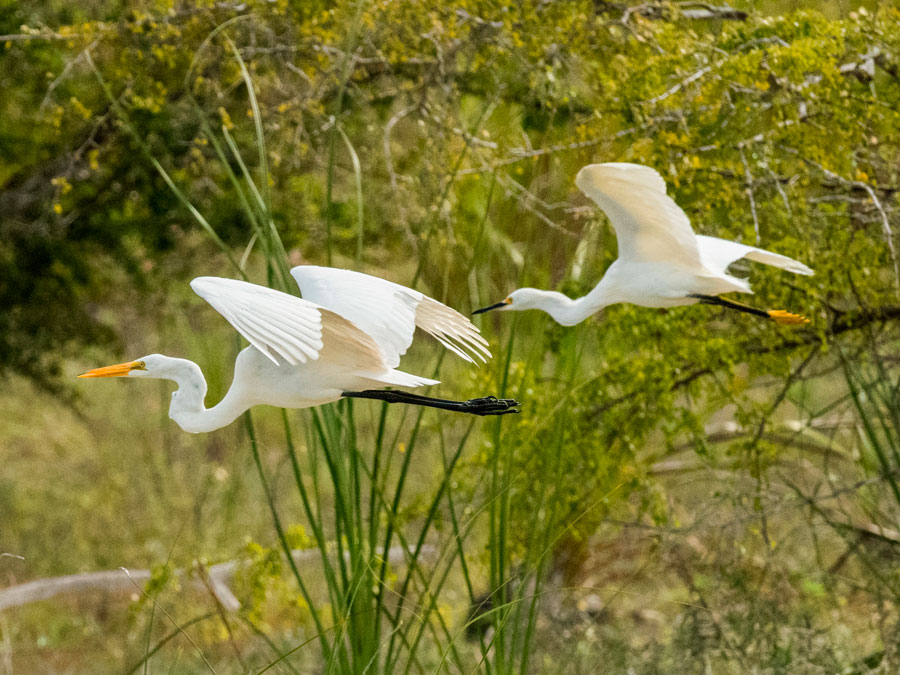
[(649, 225), (273, 322), (389, 312), (282, 325), (717, 254), (346, 344), (451, 329), (385, 313)]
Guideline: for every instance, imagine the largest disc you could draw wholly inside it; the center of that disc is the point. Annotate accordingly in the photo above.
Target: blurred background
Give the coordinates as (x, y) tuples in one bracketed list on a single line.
[(685, 491)]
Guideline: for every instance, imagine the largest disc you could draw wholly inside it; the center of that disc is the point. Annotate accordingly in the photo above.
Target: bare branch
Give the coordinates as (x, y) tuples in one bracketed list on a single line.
[(388, 158), (696, 75), (749, 189), (520, 154), (687, 10), (888, 233), (797, 501), (886, 225), (115, 582), (47, 35), (70, 64), (703, 10), (527, 201), (693, 77), (864, 69)]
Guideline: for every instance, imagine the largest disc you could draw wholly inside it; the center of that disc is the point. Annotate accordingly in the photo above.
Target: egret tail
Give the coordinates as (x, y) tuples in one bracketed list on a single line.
[(718, 254)]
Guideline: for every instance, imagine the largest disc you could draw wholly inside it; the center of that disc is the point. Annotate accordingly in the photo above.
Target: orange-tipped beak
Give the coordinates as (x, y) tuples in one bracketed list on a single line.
[(118, 370)]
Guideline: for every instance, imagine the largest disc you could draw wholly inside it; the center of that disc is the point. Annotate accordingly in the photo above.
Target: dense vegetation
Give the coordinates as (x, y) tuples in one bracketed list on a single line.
[(685, 490)]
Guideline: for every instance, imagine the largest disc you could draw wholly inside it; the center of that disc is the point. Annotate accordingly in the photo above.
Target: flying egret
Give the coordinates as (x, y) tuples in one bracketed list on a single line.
[(344, 339), (661, 263)]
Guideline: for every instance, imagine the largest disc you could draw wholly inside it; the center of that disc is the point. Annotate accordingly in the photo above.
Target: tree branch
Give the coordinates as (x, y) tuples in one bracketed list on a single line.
[(845, 321), (118, 582)]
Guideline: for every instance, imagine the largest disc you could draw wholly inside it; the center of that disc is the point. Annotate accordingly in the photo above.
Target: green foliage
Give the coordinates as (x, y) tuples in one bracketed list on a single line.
[(438, 145)]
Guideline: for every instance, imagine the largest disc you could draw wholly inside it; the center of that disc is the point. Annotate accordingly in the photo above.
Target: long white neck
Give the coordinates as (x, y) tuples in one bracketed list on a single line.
[(565, 310), (187, 408)]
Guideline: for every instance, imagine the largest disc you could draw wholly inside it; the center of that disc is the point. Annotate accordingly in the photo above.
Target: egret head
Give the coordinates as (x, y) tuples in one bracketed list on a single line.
[(154, 366), (504, 304), (521, 299), (563, 309), (187, 407)]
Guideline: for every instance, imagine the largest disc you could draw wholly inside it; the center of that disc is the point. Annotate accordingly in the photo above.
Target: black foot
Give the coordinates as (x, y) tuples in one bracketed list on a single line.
[(490, 405)]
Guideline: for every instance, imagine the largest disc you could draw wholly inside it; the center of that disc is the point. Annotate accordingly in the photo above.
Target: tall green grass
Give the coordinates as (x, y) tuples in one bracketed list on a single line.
[(353, 480), (875, 393)]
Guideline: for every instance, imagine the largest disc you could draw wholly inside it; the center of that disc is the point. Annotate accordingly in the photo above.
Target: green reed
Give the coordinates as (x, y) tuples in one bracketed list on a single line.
[(372, 615)]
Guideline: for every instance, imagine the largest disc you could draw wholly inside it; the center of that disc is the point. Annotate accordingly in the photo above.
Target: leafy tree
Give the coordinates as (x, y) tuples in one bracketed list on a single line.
[(441, 143)]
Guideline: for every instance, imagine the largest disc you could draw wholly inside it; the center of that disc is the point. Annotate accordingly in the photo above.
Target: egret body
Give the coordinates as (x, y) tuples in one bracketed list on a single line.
[(304, 354), (661, 263)]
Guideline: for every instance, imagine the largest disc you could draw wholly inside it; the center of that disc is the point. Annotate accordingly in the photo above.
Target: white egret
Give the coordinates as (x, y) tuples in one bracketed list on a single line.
[(344, 339), (661, 263)]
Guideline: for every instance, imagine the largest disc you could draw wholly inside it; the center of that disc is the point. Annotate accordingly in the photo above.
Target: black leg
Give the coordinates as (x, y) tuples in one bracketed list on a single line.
[(730, 304), (777, 315), (489, 405)]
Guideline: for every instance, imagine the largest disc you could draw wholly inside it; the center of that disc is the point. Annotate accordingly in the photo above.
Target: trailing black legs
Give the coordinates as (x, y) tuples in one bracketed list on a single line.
[(777, 315), (488, 405)]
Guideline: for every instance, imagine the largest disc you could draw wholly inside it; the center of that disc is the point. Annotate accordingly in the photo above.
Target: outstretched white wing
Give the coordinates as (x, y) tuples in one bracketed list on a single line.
[(717, 254), (297, 330), (649, 225), (389, 312)]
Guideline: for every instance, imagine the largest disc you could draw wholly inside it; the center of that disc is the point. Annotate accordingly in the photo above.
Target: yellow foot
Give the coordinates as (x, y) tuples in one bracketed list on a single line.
[(786, 318)]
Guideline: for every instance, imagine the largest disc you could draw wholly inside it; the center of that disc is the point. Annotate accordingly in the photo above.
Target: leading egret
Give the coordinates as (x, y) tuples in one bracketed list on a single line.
[(304, 353), (661, 263)]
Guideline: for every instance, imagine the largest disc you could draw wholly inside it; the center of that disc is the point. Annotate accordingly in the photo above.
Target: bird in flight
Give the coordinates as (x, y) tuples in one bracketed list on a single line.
[(343, 339), (661, 263)]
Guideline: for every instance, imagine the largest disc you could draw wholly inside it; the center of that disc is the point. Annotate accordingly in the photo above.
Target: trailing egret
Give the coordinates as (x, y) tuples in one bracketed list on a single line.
[(661, 262), (304, 353)]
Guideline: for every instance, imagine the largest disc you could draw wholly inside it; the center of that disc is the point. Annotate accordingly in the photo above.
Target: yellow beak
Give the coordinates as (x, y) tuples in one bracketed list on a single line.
[(118, 370)]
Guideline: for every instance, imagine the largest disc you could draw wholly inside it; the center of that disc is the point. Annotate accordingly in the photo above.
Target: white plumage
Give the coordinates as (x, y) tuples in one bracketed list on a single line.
[(344, 340), (662, 262), (649, 225), (276, 323), (718, 254), (389, 312)]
